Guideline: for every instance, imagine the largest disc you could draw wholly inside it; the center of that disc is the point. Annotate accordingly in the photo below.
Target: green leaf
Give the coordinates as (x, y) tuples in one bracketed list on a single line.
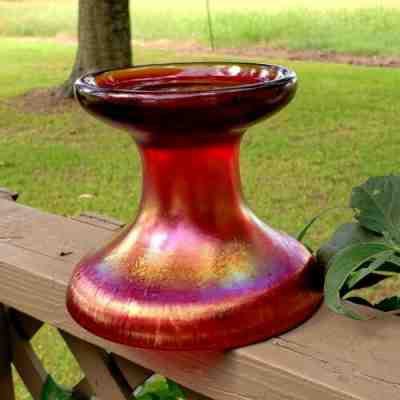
[(52, 391), (360, 274), (341, 266), (159, 388), (155, 384), (395, 260), (146, 396), (385, 289), (390, 304), (346, 235), (377, 205), (175, 390)]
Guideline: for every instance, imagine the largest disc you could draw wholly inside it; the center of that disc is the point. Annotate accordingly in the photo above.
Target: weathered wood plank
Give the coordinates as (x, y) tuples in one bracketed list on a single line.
[(48, 235), (329, 357), (100, 221), (27, 364), (192, 395), (94, 363), (6, 380)]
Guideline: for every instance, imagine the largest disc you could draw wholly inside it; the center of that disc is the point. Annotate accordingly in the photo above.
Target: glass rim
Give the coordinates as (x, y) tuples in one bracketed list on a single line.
[(87, 82)]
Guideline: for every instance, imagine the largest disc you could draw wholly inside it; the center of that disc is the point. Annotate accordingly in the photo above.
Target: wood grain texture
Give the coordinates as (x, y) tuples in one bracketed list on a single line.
[(6, 380), (192, 395), (94, 219), (329, 357)]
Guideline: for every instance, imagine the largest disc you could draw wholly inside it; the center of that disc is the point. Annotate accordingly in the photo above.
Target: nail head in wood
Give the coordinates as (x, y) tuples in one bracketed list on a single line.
[(8, 194)]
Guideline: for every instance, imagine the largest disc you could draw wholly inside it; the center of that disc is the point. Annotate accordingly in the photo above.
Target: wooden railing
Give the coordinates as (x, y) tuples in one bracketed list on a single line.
[(327, 358)]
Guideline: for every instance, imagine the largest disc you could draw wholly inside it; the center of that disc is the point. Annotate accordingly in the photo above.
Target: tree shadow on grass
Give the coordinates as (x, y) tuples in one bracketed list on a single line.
[(42, 101)]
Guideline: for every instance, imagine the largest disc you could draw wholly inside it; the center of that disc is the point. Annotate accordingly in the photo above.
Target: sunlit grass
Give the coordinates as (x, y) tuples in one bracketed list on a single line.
[(198, 6), (358, 27)]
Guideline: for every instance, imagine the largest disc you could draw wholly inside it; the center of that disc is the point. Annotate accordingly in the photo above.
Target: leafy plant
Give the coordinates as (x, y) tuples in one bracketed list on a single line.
[(52, 391), (363, 257), (158, 387)]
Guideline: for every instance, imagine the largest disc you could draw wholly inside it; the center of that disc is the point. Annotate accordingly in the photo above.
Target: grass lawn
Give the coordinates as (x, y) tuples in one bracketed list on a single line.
[(361, 27), (342, 127)]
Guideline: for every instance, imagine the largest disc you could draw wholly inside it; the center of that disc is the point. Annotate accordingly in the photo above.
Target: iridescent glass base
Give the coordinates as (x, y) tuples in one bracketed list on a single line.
[(196, 269)]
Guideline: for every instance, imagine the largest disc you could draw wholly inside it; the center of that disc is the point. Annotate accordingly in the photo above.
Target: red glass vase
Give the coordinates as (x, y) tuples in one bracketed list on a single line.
[(196, 269)]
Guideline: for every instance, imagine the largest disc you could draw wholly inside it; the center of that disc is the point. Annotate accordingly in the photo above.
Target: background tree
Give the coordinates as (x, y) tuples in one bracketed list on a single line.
[(104, 39)]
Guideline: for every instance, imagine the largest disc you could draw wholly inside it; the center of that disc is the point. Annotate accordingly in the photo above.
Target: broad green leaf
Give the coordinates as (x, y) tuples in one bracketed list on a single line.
[(346, 235), (175, 390), (158, 387), (155, 384), (377, 205), (341, 266), (52, 391), (395, 260), (146, 396), (385, 273), (360, 274), (385, 289), (390, 304)]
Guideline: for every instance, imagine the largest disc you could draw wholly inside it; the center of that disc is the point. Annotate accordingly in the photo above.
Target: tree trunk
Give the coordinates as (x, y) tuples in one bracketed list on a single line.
[(104, 36)]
